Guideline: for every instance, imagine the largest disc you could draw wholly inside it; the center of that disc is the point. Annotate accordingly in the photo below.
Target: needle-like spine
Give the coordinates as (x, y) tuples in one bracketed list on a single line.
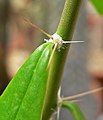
[(37, 27), (82, 94)]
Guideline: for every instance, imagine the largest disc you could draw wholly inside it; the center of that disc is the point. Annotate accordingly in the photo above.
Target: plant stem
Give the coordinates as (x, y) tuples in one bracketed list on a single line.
[(68, 19), (65, 30)]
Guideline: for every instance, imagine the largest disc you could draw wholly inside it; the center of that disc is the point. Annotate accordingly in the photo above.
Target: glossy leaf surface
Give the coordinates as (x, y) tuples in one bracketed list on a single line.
[(24, 96)]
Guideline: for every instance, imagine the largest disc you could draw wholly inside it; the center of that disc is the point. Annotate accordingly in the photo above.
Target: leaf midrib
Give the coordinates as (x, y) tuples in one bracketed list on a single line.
[(27, 87)]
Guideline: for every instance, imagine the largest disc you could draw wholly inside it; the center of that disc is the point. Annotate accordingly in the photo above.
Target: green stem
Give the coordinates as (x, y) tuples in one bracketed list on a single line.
[(65, 30), (68, 19)]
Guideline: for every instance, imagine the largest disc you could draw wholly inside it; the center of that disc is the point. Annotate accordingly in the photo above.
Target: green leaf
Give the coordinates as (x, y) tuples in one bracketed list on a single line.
[(24, 97), (74, 109), (98, 4)]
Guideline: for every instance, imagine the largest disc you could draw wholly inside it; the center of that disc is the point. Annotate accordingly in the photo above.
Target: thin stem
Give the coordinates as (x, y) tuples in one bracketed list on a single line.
[(65, 30), (82, 94), (68, 19)]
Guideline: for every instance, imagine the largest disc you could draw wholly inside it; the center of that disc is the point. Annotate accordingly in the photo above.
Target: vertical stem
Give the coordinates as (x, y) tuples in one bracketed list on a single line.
[(65, 30), (68, 19)]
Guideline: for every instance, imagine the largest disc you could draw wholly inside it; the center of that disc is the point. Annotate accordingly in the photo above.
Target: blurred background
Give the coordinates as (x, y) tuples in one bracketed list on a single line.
[(84, 66)]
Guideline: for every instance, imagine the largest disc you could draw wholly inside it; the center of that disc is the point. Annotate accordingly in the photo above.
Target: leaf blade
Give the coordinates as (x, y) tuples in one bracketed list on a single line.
[(12, 96), (74, 109), (98, 6), (37, 92)]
